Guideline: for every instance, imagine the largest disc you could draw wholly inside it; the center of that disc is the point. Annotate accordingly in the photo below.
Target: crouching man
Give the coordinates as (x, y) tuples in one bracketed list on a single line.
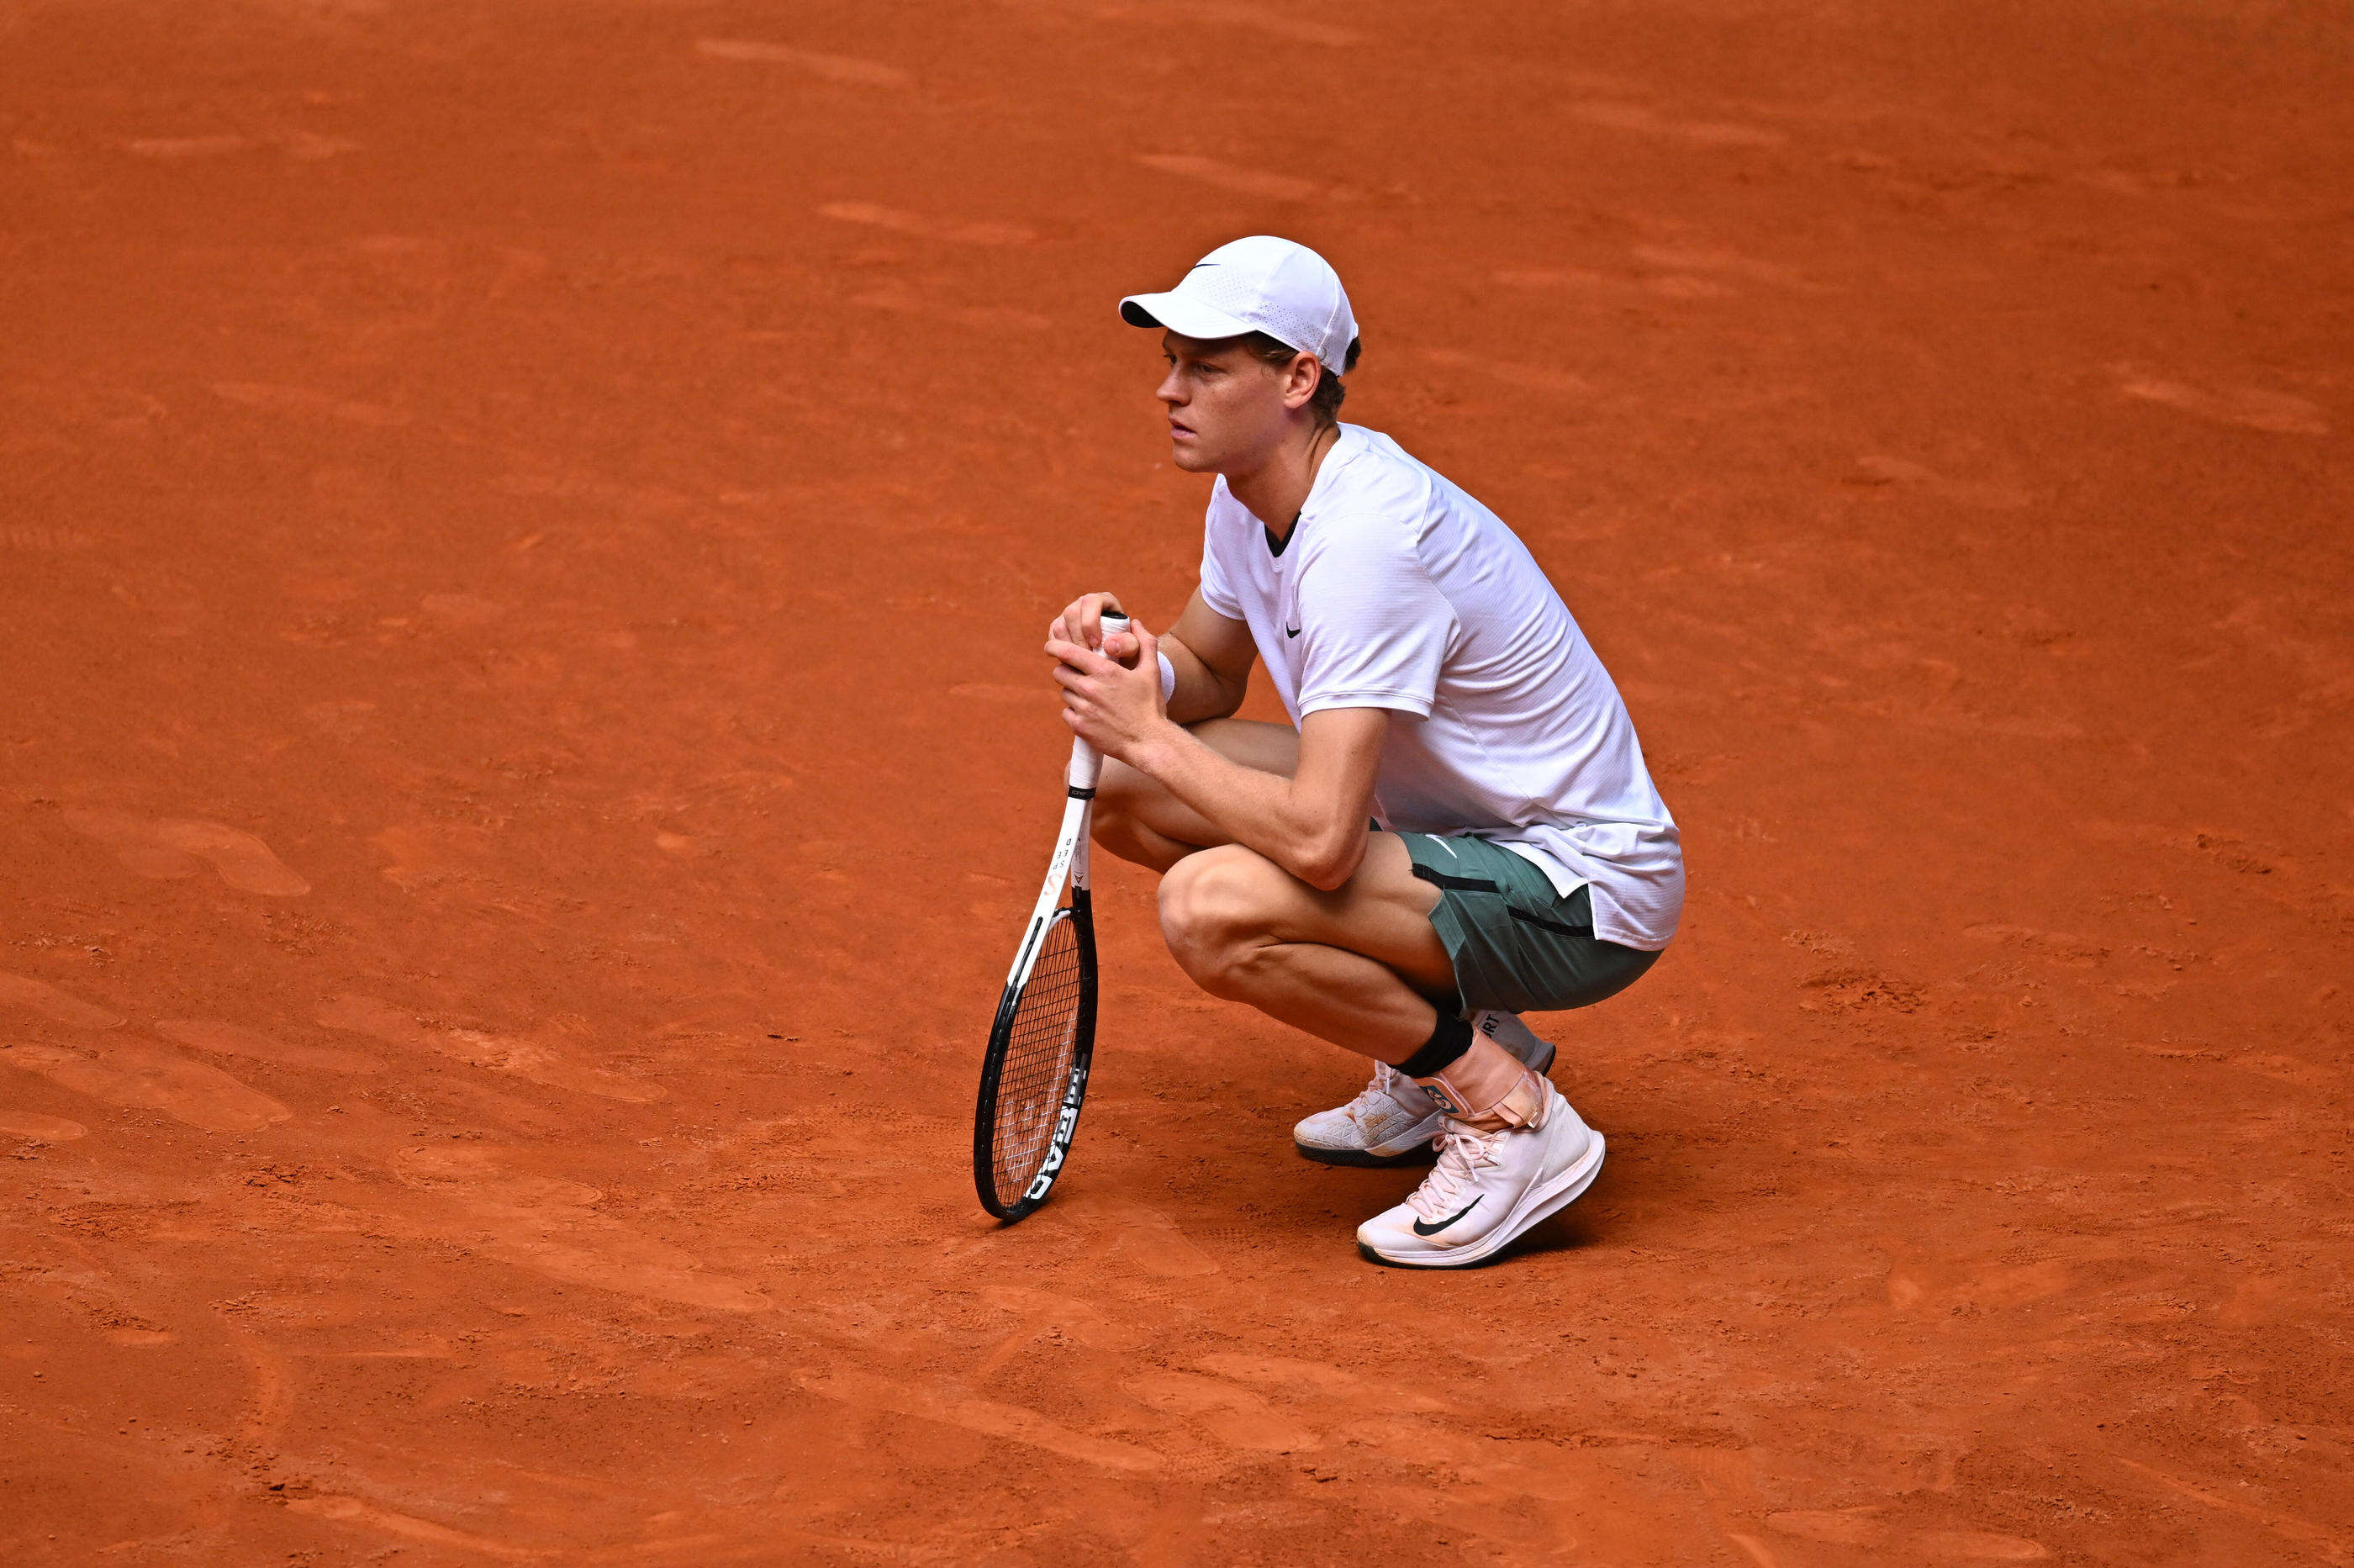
[(1519, 858)]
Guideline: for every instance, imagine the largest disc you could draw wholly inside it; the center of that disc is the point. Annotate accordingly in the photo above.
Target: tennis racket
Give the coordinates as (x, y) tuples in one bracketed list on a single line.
[(1043, 1039)]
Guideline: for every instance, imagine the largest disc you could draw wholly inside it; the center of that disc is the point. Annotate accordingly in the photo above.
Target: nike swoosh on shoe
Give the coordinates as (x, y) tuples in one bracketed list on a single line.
[(1424, 1228)]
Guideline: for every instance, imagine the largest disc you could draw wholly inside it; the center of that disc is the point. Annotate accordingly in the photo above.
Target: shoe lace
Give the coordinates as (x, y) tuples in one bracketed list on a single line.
[(1463, 1153), (1383, 1086)]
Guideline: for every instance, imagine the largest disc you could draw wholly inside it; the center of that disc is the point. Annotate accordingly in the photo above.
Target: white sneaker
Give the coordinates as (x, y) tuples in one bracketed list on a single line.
[(1391, 1121), (1488, 1188)]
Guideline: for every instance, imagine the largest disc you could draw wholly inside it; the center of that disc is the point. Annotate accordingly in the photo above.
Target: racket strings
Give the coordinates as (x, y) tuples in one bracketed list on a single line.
[(1038, 1051)]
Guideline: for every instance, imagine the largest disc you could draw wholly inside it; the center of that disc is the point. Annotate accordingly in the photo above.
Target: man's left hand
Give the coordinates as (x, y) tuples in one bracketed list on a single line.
[(1111, 707)]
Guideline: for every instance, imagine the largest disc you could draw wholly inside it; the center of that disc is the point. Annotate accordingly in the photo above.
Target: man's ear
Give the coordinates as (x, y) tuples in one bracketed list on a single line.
[(1299, 381)]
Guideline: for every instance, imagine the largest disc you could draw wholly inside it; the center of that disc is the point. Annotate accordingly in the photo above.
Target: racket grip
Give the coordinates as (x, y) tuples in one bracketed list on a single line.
[(1086, 766)]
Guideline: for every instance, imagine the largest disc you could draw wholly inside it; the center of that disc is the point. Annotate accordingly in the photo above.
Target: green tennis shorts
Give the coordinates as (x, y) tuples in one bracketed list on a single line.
[(1516, 945)]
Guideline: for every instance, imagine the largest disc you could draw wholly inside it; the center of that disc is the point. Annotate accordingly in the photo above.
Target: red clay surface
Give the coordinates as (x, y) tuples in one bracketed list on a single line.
[(526, 534)]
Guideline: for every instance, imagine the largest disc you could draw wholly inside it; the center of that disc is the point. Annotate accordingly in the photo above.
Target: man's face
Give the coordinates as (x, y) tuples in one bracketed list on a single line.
[(1228, 407)]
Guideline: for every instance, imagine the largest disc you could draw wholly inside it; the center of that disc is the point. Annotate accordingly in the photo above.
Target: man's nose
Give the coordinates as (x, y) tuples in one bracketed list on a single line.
[(1172, 390)]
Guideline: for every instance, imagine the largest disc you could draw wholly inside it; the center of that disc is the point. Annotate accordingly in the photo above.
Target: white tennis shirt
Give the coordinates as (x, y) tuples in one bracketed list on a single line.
[(1394, 590)]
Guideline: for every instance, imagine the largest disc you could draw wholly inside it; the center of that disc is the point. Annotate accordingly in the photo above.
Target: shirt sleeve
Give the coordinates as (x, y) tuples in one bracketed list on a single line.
[(1216, 591), (1373, 628)]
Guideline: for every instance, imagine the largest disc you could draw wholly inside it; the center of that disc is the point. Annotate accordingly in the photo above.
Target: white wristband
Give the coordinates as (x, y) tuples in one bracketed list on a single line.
[(1168, 680)]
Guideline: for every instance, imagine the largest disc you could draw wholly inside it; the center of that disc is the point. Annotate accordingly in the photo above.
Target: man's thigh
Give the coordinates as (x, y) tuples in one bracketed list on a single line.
[(1382, 912), (1268, 747)]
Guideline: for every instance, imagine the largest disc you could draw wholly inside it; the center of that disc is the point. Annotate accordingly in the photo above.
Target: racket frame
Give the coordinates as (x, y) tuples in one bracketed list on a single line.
[(1069, 861)]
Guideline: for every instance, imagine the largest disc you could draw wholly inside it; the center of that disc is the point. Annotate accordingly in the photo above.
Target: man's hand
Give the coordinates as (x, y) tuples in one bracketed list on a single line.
[(1081, 622), (1111, 707)]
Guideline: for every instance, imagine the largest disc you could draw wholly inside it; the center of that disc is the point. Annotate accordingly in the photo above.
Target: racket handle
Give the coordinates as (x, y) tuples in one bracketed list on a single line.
[(1086, 766)]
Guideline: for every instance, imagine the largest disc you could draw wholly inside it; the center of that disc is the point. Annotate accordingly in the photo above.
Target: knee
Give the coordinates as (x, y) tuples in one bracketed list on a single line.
[(1119, 788), (1213, 913), (1118, 823)]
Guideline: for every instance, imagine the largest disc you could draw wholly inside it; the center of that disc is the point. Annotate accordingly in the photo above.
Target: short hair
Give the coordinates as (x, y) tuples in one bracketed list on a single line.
[(1325, 401)]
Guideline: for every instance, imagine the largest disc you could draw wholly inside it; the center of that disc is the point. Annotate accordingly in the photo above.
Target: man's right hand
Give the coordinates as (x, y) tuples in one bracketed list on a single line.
[(1082, 622)]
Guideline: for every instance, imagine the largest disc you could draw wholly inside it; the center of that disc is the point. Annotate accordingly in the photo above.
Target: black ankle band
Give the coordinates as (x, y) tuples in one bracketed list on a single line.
[(1445, 1047)]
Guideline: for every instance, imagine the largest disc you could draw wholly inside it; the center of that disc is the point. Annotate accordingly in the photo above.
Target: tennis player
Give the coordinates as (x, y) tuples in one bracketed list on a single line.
[(1520, 857)]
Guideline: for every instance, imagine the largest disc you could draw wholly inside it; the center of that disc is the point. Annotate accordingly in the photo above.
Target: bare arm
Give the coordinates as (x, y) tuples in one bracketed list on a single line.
[(1213, 656), (1210, 654), (1312, 824)]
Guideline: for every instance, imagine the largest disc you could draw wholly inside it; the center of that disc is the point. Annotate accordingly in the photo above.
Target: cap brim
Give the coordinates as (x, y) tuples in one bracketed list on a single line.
[(1185, 317)]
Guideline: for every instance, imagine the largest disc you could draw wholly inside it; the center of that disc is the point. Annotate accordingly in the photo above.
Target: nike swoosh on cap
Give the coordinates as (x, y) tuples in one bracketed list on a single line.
[(1424, 1228)]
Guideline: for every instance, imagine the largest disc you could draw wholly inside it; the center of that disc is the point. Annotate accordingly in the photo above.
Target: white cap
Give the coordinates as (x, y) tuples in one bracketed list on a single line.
[(1259, 284)]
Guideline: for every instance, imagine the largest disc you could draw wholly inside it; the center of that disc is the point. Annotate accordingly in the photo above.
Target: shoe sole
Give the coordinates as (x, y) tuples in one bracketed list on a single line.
[(1540, 1205), (1365, 1159)]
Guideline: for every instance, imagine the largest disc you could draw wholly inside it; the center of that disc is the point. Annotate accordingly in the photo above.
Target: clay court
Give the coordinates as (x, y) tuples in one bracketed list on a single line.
[(526, 534)]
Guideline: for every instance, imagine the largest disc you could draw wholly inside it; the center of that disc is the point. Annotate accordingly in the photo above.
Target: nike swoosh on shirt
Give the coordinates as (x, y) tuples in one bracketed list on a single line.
[(1423, 1228), (1291, 631)]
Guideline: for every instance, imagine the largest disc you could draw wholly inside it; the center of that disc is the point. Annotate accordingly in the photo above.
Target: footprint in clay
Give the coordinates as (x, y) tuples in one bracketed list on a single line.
[(236, 1040), (848, 71), (986, 1417), (40, 996), (953, 230), (149, 1077), (1225, 176), (1235, 1416), (523, 1058), (2250, 407), (1863, 1527), (170, 848), (40, 1128), (548, 1225)]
